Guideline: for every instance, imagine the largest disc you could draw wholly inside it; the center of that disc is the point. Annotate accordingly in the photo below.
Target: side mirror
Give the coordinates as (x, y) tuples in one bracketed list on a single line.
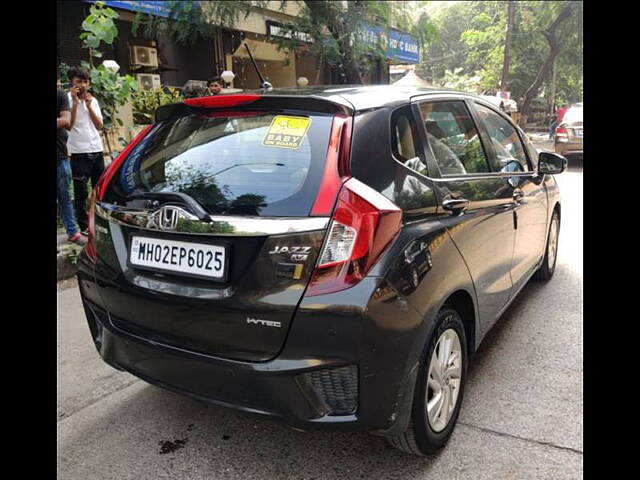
[(551, 163)]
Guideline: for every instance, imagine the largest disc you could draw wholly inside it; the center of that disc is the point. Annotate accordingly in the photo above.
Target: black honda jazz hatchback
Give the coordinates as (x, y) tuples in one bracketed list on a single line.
[(330, 257)]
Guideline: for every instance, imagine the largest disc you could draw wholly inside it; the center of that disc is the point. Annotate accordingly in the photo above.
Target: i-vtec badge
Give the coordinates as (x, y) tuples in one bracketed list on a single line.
[(265, 323)]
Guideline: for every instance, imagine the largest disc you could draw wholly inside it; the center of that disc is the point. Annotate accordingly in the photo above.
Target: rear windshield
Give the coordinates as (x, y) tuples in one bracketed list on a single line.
[(236, 163)]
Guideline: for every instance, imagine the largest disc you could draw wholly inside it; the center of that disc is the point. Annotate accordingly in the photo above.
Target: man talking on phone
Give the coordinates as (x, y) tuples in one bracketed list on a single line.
[(65, 203), (84, 142)]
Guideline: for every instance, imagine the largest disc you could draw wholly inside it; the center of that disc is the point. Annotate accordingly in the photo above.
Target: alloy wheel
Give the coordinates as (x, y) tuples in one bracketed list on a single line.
[(443, 384)]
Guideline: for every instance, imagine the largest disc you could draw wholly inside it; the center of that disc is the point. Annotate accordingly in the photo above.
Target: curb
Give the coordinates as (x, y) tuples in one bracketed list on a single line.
[(65, 268)]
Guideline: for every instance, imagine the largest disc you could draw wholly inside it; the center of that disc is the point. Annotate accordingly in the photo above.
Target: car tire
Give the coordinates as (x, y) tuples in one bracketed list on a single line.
[(548, 267), (422, 436)]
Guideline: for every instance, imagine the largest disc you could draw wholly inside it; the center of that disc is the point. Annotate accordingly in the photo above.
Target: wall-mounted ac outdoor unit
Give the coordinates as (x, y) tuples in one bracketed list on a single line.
[(148, 81), (144, 56)]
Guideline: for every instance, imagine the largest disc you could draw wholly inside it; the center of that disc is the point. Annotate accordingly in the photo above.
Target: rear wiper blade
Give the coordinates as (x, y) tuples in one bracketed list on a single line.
[(180, 197), (277, 164)]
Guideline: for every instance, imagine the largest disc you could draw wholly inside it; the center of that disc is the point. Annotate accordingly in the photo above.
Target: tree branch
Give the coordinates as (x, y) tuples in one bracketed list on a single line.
[(550, 36)]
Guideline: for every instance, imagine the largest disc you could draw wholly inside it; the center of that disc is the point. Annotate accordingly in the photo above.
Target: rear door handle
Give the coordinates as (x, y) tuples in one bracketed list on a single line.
[(456, 204), (517, 195)]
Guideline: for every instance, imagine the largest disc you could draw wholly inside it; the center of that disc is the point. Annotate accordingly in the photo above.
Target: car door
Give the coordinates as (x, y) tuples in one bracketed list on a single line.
[(476, 203), (508, 154)]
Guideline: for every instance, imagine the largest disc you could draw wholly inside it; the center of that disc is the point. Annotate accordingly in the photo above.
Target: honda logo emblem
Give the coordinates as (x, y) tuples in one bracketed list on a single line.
[(167, 217)]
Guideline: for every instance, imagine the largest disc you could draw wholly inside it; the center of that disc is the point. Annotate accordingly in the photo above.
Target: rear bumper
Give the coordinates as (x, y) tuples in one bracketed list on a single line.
[(375, 374), (569, 148), (276, 389)]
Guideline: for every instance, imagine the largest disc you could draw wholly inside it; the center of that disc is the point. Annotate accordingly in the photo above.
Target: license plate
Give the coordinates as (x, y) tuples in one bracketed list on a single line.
[(187, 258), (579, 133)]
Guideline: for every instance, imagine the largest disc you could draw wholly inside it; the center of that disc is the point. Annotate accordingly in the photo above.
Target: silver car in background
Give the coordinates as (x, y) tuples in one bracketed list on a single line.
[(569, 134)]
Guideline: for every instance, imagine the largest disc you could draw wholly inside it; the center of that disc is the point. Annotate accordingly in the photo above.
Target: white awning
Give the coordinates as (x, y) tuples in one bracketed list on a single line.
[(411, 80)]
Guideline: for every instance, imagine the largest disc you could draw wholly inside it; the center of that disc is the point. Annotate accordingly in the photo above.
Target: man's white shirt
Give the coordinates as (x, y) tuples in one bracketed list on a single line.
[(84, 136)]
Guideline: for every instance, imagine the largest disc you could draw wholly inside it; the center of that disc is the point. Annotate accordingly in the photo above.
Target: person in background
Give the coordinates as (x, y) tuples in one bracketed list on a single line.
[(84, 143), (194, 91), (552, 125), (65, 203), (557, 119), (560, 113), (214, 86)]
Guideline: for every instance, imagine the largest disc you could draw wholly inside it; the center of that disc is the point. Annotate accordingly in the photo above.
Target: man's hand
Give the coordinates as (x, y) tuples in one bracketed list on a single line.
[(74, 95), (87, 99)]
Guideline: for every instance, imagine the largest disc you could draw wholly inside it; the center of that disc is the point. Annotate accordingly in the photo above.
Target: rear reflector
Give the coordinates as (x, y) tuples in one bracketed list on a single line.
[(222, 101), (364, 223)]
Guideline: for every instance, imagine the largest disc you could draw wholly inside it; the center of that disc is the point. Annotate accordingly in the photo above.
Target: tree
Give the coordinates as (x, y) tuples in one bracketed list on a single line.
[(507, 48), (471, 42), (550, 35), (335, 27)]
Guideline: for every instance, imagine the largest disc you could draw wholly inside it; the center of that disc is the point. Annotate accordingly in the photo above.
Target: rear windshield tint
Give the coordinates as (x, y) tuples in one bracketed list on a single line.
[(237, 163)]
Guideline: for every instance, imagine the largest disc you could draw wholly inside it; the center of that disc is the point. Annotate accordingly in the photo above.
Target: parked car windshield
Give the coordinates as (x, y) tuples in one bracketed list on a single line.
[(243, 163)]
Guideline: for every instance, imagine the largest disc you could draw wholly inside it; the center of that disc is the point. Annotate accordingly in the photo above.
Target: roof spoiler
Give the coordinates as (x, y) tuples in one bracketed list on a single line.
[(251, 101)]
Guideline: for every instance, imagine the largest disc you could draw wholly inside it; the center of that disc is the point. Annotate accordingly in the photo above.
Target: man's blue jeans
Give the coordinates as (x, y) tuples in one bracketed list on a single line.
[(65, 203)]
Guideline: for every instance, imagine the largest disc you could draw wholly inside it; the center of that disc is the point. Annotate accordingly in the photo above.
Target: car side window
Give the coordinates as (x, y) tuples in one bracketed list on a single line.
[(453, 138), (510, 154), (403, 141)]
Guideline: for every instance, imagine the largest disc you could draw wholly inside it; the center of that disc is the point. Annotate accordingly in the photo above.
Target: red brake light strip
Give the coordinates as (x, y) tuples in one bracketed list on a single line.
[(222, 101)]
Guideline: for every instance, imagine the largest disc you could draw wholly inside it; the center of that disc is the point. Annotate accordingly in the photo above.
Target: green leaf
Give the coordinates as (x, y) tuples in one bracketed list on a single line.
[(120, 122), (92, 42), (111, 13)]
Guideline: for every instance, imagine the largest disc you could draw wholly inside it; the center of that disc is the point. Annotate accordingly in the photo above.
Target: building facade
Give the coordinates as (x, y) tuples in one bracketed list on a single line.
[(174, 64)]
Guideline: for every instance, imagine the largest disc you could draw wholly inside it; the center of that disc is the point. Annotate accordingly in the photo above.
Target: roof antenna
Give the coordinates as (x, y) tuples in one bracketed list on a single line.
[(263, 83)]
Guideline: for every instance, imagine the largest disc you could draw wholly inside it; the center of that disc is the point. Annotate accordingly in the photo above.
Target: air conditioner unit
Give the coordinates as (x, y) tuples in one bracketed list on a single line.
[(148, 81), (145, 56)]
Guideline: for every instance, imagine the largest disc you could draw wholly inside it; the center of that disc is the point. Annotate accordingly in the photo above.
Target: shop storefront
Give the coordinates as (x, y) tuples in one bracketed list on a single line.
[(162, 61), (259, 32), (153, 61)]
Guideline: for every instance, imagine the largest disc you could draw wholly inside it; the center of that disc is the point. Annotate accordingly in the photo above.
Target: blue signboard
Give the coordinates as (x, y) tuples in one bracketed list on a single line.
[(158, 8), (400, 47)]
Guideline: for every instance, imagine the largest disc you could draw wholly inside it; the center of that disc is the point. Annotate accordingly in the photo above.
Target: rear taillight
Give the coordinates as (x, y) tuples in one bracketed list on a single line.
[(101, 187), (90, 248), (108, 174), (363, 224), (336, 168), (561, 132)]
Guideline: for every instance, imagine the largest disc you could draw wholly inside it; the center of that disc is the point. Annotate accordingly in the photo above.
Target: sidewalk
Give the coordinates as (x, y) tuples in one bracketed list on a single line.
[(66, 266)]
